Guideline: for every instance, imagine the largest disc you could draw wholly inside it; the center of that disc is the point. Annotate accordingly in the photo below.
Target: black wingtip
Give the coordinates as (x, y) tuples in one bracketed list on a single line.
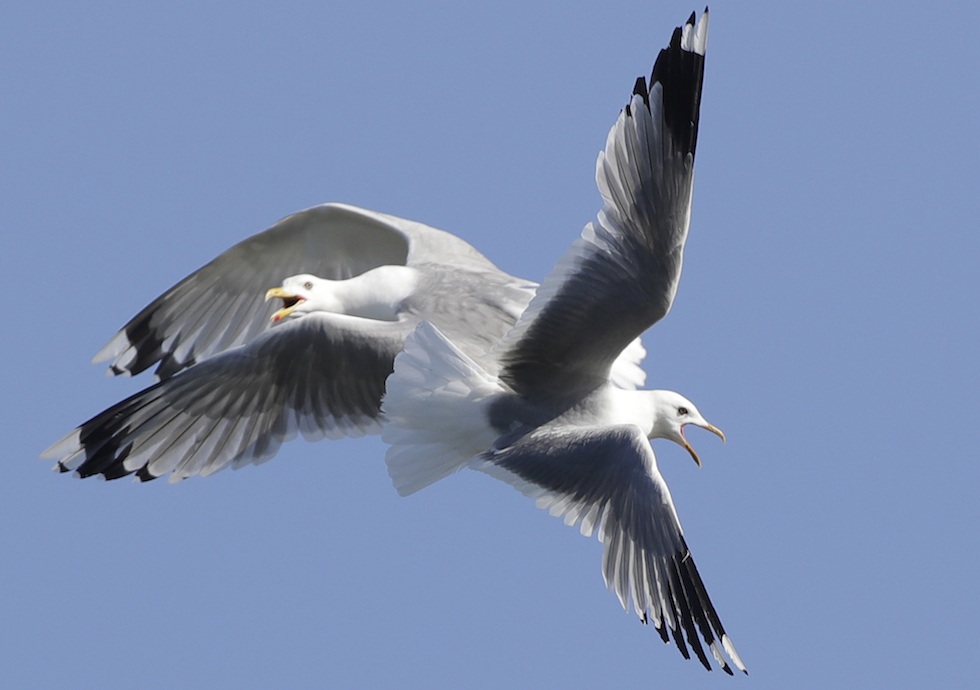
[(694, 16), (116, 472), (143, 474), (679, 641), (640, 89), (680, 73)]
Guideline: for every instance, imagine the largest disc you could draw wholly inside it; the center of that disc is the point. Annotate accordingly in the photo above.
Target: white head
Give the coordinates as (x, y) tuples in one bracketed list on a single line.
[(376, 294), (302, 294), (672, 412)]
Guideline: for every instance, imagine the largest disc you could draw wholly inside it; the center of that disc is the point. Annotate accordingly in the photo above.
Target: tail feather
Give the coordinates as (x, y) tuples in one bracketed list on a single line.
[(434, 406)]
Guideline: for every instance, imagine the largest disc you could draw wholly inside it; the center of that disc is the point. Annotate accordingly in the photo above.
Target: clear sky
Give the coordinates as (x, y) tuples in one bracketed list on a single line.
[(826, 321)]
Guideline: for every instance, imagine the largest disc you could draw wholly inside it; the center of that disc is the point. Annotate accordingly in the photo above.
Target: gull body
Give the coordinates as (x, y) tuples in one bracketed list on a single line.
[(542, 416), (239, 375), (529, 384)]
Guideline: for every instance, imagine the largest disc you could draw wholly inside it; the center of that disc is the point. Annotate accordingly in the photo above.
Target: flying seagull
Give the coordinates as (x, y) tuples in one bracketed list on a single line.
[(238, 376), (543, 417)]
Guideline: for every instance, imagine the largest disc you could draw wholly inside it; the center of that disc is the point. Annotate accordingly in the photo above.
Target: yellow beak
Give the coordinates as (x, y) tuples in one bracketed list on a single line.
[(713, 429), (717, 432), (693, 454), (285, 296)]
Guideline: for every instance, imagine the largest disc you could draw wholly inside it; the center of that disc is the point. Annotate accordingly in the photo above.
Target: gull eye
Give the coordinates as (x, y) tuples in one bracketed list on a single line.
[(308, 285), (682, 411)]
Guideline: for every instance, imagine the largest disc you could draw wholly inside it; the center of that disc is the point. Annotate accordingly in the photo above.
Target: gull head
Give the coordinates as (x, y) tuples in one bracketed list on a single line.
[(672, 412), (300, 294)]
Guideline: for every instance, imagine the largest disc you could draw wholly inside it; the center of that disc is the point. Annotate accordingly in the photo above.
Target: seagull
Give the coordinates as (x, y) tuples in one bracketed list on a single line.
[(544, 416), (239, 376)]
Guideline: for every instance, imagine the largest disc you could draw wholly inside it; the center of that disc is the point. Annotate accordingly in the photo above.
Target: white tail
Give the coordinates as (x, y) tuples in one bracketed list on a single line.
[(434, 408)]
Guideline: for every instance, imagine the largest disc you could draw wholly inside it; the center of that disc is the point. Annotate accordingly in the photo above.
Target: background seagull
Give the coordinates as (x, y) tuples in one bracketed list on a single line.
[(545, 418), (239, 376)]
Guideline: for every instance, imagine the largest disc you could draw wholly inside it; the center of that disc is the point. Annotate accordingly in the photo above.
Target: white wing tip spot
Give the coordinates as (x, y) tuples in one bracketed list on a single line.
[(726, 642), (694, 38)]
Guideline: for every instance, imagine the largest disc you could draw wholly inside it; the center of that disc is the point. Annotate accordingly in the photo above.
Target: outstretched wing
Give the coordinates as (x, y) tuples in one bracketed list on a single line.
[(220, 307), (321, 375), (606, 479), (620, 277)]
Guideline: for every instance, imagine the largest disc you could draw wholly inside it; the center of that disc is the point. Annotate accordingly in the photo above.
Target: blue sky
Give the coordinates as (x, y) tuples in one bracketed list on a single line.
[(826, 320)]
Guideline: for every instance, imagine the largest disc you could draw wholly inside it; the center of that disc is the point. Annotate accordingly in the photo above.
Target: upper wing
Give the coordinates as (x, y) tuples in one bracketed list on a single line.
[(620, 277), (220, 306), (607, 478), (321, 375)]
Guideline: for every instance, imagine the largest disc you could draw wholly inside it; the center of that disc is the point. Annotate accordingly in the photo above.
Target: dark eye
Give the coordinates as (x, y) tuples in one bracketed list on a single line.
[(308, 285), (682, 411)]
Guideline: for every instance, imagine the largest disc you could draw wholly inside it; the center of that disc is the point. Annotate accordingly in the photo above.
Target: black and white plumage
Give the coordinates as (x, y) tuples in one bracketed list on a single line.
[(544, 417), (235, 384), (238, 377)]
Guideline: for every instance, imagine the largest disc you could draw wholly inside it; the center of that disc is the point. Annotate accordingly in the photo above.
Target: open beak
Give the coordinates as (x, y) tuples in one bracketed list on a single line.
[(710, 427), (289, 302), (716, 431)]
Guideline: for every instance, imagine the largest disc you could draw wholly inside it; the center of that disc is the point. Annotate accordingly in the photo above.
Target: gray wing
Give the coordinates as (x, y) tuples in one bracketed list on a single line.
[(606, 479), (319, 375), (620, 277), (220, 307)]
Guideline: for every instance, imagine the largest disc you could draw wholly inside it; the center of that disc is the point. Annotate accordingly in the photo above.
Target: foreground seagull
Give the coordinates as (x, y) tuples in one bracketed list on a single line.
[(543, 415)]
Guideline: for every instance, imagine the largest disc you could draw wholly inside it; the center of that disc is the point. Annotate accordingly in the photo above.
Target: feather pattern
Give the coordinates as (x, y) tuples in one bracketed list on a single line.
[(621, 275), (320, 376), (233, 386), (215, 308), (605, 480)]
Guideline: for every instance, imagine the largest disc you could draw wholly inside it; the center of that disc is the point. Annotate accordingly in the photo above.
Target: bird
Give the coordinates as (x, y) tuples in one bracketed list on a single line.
[(238, 376), (542, 415)]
